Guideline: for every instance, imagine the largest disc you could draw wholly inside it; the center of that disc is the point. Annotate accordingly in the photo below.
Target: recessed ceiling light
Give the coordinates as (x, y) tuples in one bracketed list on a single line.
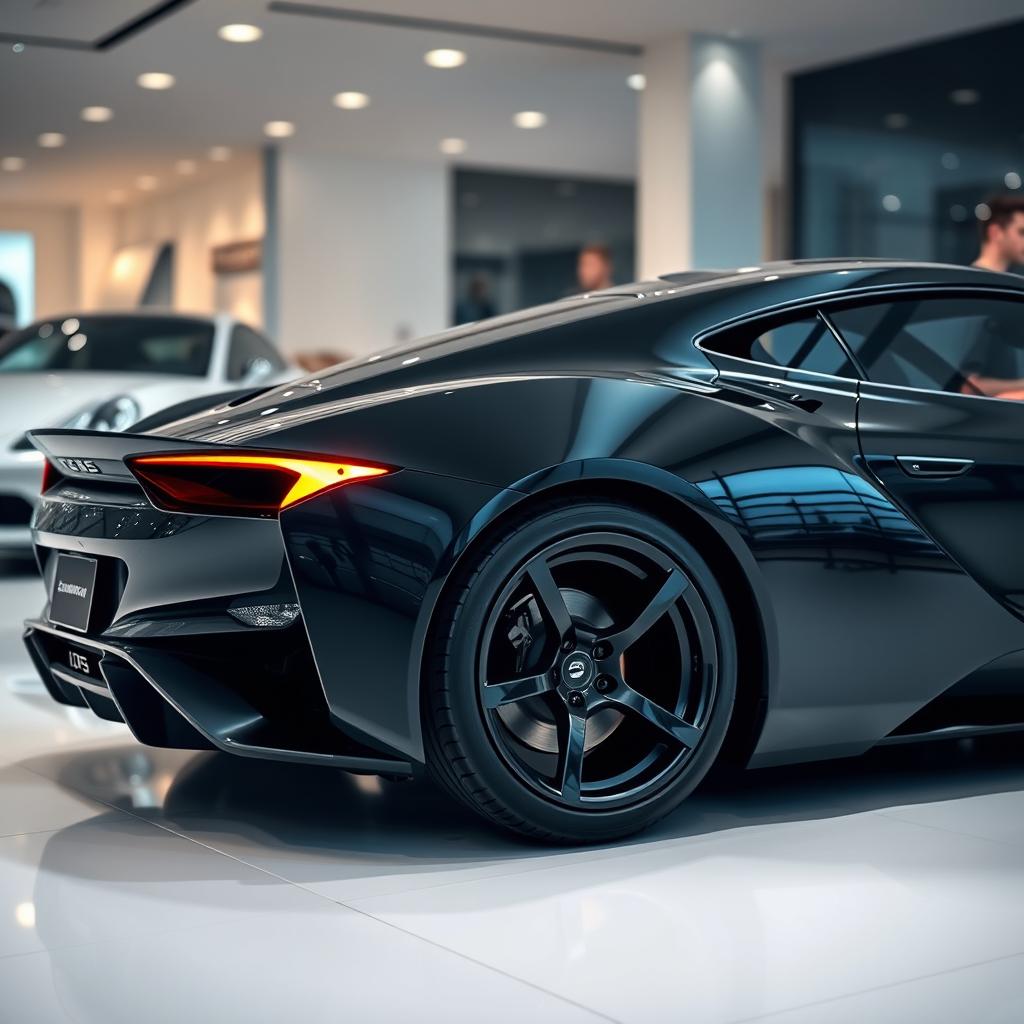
[(240, 33), (445, 58), (983, 211), (1012, 180), (279, 129), (155, 80), (964, 97), (891, 203), (530, 119), (12, 163), (896, 121), (637, 82), (51, 140), (220, 153), (146, 182), (452, 147), (351, 100), (950, 161), (97, 115), (185, 167)]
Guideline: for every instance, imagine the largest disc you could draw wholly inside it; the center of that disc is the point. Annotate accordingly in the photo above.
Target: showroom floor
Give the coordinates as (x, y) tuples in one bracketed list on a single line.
[(155, 885)]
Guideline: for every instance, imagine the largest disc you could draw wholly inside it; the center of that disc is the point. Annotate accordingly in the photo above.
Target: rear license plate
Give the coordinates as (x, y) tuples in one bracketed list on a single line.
[(71, 596)]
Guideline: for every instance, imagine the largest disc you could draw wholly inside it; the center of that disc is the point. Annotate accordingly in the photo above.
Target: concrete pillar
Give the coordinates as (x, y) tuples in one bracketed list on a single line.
[(701, 177)]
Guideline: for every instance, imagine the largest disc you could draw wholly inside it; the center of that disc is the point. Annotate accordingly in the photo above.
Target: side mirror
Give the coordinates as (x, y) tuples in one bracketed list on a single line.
[(256, 370)]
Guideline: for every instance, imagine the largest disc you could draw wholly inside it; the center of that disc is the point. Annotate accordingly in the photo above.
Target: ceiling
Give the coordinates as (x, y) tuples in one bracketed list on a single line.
[(225, 92)]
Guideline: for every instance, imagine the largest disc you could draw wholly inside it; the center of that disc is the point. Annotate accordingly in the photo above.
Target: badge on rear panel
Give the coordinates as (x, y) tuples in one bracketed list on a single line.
[(71, 596)]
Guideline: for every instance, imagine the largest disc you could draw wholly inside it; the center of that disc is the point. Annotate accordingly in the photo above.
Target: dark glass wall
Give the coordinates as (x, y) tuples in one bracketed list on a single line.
[(517, 236), (894, 156)]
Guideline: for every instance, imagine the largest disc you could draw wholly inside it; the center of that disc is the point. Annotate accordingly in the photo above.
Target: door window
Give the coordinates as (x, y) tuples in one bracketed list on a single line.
[(964, 345)]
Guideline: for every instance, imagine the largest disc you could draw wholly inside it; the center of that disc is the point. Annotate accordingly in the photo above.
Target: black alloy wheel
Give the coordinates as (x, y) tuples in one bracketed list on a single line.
[(585, 676)]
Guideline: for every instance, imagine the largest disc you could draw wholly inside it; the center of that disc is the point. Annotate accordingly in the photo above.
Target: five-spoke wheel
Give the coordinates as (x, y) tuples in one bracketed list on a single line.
[(590, 673), (603, 637)]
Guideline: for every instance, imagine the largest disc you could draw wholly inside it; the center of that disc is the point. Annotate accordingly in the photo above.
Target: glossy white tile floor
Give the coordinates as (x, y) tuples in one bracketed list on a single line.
[(163, 886)]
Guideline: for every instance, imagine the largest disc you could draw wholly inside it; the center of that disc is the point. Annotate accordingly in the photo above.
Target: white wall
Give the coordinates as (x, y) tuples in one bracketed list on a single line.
[(363, 256), (55, 233), (97, 243), (226, 208)]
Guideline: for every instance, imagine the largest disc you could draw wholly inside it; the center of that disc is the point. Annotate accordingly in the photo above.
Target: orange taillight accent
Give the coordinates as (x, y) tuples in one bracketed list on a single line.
[(241, 484)]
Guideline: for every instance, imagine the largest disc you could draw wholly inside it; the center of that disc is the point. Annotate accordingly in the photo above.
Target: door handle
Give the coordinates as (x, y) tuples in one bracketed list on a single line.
[(926, 465)]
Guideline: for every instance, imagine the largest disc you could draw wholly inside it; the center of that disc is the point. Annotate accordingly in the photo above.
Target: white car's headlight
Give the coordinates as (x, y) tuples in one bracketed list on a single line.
[(111, 414)]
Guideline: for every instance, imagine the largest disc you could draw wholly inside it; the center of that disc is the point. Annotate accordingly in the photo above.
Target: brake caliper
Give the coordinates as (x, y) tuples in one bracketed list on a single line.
[(524, 620)]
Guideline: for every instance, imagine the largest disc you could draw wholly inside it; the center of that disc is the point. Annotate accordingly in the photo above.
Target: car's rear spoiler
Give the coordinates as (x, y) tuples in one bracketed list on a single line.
[(98, 454)]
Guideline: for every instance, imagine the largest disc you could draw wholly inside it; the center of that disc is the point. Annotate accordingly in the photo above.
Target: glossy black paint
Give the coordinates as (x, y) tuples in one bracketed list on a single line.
[(842, 571)]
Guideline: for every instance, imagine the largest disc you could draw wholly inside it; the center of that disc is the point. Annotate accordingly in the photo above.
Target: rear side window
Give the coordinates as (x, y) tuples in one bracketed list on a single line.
[(963, 344), (804, 344)]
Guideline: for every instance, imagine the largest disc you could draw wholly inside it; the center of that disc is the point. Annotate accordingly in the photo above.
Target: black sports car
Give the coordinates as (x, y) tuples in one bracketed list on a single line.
[(570, 558)]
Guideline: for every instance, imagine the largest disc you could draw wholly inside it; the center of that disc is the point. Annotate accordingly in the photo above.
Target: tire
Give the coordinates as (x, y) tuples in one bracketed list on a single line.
[(581, 673)]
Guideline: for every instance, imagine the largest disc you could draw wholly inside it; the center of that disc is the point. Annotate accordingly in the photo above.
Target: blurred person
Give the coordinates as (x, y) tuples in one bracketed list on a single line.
[(8, 309), (991, 368), (477, 304), (594, 268), (1002, 234)]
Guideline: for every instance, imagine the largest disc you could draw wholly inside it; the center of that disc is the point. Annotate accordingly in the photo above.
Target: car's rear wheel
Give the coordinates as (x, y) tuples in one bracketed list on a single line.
[(582, 673)]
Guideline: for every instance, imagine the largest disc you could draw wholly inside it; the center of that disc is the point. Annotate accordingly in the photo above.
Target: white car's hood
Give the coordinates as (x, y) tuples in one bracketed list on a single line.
[(36, 400)]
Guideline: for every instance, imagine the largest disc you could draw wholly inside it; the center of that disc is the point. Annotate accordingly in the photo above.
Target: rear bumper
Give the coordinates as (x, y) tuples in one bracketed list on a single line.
[(175, 697), (169, 658)]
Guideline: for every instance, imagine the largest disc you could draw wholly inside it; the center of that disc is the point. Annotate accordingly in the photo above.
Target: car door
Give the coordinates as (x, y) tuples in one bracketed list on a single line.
[(941, 421)]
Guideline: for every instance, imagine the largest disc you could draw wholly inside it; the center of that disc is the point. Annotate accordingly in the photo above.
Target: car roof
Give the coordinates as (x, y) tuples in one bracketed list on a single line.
[(822, 274)]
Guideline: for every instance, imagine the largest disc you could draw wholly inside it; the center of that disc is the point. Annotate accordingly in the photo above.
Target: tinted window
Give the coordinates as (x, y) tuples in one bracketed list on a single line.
[(963, 345), (805, 344), (250, 351), (109, 344)]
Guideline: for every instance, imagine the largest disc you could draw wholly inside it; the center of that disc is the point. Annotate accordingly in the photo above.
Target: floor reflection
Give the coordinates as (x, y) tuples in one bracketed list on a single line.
[(327, 813)]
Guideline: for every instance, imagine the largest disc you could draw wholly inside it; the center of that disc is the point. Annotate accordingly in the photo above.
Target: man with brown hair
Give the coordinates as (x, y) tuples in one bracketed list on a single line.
[(594, 268), (1002, 233), (990, 368)]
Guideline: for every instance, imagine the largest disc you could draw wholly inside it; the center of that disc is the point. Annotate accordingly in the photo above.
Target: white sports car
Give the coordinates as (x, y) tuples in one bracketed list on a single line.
[(106, 371)]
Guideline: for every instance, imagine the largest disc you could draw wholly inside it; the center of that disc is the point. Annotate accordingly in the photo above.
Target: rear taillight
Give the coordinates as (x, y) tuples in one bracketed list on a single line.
[(241, 483), (50, 476)]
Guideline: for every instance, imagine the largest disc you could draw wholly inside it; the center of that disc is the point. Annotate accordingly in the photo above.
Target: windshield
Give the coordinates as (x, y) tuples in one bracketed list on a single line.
[(111, 344)]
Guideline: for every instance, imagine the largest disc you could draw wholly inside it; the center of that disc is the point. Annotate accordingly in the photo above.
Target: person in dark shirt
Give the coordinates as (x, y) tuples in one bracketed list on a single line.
[(990, 369), (477, 304)]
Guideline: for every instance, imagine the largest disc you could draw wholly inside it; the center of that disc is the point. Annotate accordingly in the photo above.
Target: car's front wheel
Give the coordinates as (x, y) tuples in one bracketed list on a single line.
[(582, 673)]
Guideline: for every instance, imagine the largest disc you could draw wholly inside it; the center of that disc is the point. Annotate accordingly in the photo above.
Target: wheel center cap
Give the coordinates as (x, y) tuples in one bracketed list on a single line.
[(577, 671)]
